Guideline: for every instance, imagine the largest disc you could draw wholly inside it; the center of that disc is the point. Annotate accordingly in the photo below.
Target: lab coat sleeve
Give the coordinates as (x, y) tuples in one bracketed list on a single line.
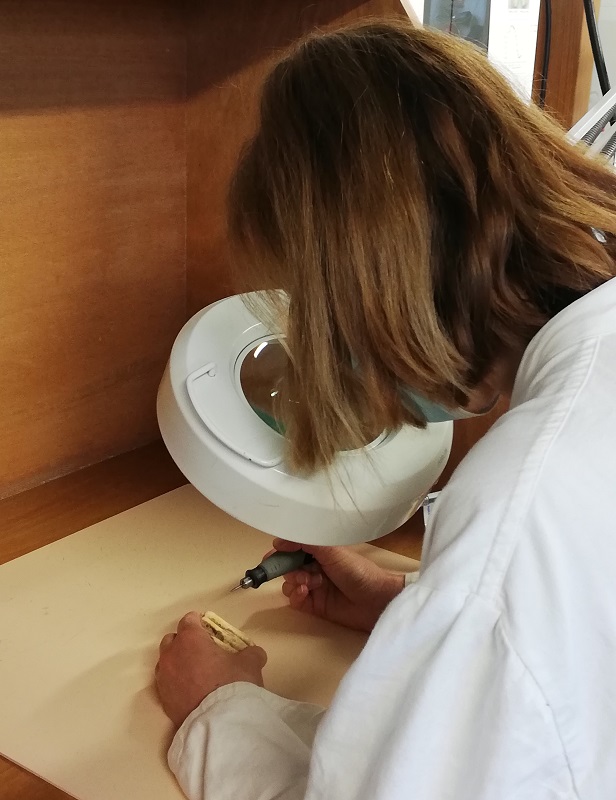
[(439, 706), (245, 742), (411, 577)]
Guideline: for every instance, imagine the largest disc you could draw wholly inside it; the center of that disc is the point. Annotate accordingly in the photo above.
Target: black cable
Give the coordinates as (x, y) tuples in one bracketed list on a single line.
[(595, 43), (547, 42)]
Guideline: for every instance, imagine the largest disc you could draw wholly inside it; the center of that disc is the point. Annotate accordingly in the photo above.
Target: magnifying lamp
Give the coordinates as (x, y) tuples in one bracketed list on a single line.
[(216, 412)]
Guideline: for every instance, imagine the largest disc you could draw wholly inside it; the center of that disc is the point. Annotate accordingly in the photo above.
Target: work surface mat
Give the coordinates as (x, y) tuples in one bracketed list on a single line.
[(80, 623)]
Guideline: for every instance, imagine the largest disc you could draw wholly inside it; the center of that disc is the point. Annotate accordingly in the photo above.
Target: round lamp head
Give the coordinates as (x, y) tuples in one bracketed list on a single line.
[(217, 415)]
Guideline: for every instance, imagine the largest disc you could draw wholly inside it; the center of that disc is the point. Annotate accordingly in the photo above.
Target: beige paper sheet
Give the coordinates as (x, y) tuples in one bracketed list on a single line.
[(80, 623)]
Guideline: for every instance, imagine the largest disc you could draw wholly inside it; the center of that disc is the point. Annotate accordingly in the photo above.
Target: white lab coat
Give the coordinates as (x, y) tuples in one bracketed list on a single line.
[(492, 677)]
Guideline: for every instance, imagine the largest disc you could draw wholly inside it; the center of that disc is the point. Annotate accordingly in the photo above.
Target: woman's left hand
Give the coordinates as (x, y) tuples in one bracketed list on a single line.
[(191, 666)]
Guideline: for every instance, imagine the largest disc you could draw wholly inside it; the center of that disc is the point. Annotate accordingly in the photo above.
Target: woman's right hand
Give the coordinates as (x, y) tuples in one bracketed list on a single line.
[(340, 585)]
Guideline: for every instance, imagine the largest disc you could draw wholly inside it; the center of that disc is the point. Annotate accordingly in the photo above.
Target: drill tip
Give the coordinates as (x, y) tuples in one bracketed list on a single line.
[(235, 588), (244, 583)]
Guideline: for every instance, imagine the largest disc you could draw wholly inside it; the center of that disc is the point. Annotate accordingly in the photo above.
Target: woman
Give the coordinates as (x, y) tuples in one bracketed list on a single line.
[(441, 244)]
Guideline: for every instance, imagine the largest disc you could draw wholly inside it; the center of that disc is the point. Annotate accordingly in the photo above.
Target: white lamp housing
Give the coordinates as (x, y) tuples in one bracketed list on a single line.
[(229, 447)]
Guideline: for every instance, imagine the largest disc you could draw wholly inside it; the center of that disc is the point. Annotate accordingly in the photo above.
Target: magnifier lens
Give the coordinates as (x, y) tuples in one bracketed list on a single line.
[(261, 373)]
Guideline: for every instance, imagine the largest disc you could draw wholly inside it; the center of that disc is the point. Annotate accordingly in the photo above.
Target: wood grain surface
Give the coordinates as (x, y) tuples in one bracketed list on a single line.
[(92, 268), (571, 62)]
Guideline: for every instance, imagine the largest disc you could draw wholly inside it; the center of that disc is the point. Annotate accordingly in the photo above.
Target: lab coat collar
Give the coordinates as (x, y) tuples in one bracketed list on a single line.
[(590, 317)]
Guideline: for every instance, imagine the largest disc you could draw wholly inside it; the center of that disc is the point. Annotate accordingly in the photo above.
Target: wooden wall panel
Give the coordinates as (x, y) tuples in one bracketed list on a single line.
[(92, 229), (231, 47), (571, 62)]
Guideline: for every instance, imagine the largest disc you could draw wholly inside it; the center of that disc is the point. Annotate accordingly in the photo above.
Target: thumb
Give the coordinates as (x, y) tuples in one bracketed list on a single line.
[(254, 657), (190, 620)]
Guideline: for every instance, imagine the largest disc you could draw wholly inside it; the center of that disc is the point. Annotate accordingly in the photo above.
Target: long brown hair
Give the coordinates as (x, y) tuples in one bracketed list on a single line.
[(422, 219)]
